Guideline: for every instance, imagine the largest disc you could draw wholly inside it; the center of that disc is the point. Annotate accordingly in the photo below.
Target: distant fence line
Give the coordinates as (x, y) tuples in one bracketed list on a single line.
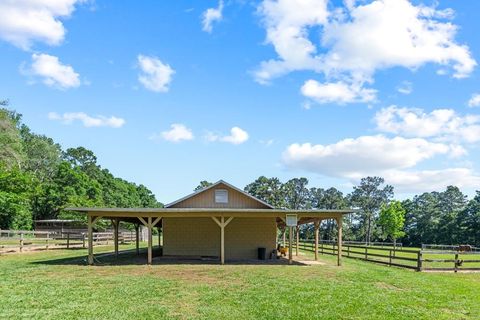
[(415, 259), (20, 240)]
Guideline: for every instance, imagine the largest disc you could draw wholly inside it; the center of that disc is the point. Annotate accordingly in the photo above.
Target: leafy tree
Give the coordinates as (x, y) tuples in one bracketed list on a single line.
[(11, 151), (270, 190), (297, 194), (203, 184), (330, 199), (392, 220), (14, 199), (468, 223), (369, 196)]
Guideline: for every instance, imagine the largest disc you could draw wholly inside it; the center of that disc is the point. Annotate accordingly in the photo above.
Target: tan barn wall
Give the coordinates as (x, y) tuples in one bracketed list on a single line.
[(201, 237), (206, 199)]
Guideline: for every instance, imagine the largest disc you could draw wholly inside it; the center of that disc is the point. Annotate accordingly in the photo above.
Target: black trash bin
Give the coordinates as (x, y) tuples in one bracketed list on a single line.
[(262, 253)]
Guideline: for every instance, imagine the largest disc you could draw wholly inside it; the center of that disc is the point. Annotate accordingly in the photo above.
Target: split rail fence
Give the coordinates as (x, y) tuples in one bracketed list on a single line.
[(23, 240), (425, 259)]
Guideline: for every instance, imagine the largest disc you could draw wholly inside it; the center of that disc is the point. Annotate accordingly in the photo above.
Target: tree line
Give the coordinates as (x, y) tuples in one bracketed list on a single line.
[(446, 217), (38, 179)]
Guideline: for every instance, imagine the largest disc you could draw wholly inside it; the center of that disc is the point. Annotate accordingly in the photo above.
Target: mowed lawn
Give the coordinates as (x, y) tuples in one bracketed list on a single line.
[(57, 284)]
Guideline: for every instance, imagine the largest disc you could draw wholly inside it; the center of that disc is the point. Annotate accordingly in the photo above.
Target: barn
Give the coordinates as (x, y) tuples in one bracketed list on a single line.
[(219, 222)]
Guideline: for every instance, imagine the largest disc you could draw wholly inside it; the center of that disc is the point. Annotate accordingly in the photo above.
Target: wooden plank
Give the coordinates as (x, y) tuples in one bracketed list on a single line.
[(90, 240), (149, 251), (339, 251), (316, 226)]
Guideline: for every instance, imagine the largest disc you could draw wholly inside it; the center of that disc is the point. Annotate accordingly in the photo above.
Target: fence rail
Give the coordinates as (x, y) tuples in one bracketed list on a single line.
[(415, 259), (21, 240)]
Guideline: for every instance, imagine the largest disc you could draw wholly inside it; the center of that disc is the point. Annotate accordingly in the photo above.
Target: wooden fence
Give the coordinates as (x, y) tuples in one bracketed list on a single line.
[(410, 258), (22, 240)]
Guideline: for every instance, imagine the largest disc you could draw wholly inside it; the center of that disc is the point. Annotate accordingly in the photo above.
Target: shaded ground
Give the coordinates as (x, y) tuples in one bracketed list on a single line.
[(58, 285)]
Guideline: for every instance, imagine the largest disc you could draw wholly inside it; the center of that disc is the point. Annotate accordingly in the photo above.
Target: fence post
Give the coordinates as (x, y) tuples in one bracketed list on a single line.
[(21, 241), (68, 240), (83, 239), (48, 237), (348, 251), (419, 261), (456, 262), (321, 246), (390, 259)]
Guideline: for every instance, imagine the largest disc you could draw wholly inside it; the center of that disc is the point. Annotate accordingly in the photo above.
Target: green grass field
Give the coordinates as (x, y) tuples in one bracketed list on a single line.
[(57, 284)]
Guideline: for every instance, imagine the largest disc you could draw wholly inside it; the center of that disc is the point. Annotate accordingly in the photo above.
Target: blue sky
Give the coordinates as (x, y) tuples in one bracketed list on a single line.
[(168, 93)]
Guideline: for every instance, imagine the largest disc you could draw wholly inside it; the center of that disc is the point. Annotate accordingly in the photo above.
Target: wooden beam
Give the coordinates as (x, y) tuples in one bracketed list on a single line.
[(115, 223), (316, 226), (217, 222), (297, 233), (222, 241), (145, 223), (91, 223), (156, 221), (290, 240), (228, 221), (149, 253), (339, 252)]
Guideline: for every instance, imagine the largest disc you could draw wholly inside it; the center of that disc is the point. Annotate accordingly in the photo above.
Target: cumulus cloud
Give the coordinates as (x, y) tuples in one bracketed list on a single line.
[(474, 100), (441, 124), (362, 156), (210, 16), (155, 75), (23, 22), (86, 120), (395, 159), (359, 39), (236, 136), (338, 92), (52, 72), (178, 132)]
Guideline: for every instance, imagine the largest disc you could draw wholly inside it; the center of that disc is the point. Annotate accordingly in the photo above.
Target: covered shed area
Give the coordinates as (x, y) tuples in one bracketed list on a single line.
[(235, 233), (219, 222)]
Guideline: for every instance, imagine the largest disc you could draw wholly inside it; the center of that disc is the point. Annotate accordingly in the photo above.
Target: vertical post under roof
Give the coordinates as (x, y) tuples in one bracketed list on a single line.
[(316, 227), (115, 223), (149, 254), (339, 247), (90, 240), (290, 240)]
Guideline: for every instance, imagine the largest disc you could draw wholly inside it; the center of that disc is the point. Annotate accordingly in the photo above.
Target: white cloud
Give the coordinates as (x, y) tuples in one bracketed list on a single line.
[(211, 15), (178, 132), (287, 23), (362, 156), (394, 159), (23, 22), (406, 87), (88, 121), (156, 76), (52, 72), (474, 100), (338, 92), (442, 124), (360, 39), (237, 136), (431, 180)]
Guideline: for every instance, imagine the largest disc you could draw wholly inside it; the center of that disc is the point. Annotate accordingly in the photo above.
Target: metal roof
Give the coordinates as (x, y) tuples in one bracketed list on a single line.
[(214, 185)]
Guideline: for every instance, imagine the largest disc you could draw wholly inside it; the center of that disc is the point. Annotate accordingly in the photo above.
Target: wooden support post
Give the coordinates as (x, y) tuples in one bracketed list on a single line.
[(290, 240), (68, 240), (21, 241), (419, 261), (90, 240), (339, 247), (222, 224), (48, 237), (83, 240), (115, 223), (159, 239), (297, 233), (284, 237), (316, 226), (137, 238), (149, 254)]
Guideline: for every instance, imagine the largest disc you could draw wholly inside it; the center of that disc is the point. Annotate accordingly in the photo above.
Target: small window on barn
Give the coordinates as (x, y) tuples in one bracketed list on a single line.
[(221, 196)]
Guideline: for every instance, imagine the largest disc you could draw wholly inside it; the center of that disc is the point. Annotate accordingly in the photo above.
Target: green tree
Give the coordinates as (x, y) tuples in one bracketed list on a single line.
[(15, 189), (202, 185), (468, 222), (369, 196), (392, 220), (270, 190), (297, 194), (11, 151)]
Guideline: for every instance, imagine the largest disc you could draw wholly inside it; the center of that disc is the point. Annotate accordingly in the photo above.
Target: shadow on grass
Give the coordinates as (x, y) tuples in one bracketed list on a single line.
[(130, 257)]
